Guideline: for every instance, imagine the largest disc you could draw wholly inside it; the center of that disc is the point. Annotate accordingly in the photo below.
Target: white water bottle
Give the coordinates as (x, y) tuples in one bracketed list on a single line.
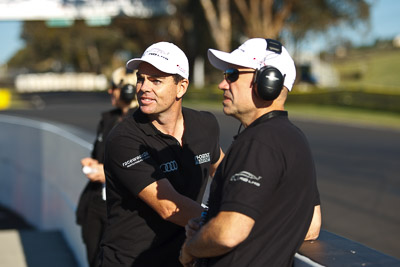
[(88, 170)]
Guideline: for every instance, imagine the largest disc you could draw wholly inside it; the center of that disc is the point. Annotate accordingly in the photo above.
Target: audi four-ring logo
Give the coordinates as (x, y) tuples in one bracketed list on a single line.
[(169, 166)]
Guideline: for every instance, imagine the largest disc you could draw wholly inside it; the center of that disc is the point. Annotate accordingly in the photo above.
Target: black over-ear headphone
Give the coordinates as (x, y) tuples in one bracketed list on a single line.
[(128, 93), (269, 79)]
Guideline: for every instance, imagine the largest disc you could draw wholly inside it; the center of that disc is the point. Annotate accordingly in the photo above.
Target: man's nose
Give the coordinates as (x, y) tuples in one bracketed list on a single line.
[(223, 85), (143, 86)]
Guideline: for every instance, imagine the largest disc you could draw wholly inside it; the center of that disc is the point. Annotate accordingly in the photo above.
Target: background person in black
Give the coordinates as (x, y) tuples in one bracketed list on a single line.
[(264, 193), (91, 211), (157, 164)]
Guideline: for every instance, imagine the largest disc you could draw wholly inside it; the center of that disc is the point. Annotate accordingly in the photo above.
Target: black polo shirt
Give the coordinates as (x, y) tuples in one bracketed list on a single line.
[(137, 154), (267, 174)]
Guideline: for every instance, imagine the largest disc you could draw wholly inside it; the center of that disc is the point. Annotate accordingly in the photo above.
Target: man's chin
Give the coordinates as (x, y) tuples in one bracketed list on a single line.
[(146, 110), (227, 111)]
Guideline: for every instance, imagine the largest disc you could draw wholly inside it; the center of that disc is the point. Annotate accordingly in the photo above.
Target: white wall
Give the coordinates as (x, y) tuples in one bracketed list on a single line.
[(40, 175)]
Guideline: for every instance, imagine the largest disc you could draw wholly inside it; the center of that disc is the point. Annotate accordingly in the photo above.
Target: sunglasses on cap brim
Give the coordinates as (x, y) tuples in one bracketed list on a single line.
[(231, 75)]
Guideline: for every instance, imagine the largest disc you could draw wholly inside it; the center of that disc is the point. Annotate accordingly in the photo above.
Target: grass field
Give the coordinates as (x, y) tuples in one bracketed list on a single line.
[(376, 70), (345, 115), (334, 114)]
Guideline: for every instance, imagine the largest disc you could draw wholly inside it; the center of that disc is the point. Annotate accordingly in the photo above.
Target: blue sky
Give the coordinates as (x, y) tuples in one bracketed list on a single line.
[(385, 21), (384, 24)]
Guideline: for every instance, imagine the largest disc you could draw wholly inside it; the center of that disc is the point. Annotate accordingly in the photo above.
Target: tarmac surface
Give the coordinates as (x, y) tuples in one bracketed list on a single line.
[(357, 165), (21, 245)]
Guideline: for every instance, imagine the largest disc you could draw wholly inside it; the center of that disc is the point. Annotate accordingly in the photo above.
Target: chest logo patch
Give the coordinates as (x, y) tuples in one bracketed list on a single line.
[(202, 158), (246, 177), (169, 166)]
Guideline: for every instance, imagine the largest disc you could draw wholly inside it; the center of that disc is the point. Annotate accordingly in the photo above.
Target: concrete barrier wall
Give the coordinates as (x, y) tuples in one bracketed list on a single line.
[(41, 178)]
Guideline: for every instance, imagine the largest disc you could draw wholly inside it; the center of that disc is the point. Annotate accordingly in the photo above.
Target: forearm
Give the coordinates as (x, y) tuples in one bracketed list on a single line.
[(315, 226), (182, 209), (220, 235), (169, 204), (206, 243), (214, 166)]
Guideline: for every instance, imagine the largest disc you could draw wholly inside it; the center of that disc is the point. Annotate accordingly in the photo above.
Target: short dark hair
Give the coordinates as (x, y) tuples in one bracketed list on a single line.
[(177, 78)]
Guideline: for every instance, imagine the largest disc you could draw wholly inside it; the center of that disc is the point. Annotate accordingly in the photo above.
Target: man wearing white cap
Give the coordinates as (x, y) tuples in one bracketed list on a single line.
[(157, 164), (264, 193)]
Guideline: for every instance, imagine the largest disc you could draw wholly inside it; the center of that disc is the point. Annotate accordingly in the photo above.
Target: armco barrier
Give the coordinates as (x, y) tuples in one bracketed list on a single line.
[(41, 179)]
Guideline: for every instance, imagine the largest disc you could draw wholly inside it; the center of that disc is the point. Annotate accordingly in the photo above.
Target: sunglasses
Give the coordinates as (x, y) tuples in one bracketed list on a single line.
[(231, 75)]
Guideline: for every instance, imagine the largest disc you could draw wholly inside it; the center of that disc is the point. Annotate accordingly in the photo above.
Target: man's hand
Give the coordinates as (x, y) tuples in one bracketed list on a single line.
[(93, 170), (217, 237), (192, 227), (185, 258)]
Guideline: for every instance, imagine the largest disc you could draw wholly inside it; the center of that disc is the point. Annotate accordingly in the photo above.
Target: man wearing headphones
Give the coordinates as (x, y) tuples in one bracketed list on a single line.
[(157, 165), (264, 193), (91, 211)]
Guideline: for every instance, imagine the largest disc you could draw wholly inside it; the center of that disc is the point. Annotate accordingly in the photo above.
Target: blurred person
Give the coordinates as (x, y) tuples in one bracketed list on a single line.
[(157, 165), (264, 200), (91, 211)]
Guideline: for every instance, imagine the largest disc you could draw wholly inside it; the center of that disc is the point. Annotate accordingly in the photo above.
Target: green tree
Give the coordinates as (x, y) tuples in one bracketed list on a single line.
[(267, 18), (99, 49), (79, 47), (317, 16)]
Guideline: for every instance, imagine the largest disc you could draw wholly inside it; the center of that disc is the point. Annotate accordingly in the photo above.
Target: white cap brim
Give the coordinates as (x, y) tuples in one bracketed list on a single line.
[(222, 60), (134, 63)]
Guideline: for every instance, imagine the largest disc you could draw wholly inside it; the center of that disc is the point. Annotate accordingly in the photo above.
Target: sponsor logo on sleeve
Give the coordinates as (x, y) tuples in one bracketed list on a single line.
[(202, 158), (133, 161), (169, 166), (246, 177)]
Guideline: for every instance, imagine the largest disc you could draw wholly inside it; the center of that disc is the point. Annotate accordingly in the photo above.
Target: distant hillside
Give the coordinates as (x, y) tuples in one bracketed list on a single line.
[(370, 70)]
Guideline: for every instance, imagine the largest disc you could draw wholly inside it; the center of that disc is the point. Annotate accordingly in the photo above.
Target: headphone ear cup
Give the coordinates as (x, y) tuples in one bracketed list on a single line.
[(269, 82), (128, 93)]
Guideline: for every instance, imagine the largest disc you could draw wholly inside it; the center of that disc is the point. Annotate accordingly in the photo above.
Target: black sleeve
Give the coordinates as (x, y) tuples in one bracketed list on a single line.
[(99, 143), (108, 121), (130, 163), (214, 132), (317, 200)]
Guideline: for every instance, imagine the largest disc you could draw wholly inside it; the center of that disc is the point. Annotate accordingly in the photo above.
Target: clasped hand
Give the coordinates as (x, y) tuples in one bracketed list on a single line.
[(97, 170), (191, 229)]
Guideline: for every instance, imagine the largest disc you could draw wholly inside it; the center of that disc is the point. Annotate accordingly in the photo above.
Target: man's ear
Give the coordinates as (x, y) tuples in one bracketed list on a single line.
[(182, 88)]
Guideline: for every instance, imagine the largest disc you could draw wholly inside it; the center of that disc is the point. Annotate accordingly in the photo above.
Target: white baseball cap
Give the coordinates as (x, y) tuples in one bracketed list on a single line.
[(256, 53), (164, 56)]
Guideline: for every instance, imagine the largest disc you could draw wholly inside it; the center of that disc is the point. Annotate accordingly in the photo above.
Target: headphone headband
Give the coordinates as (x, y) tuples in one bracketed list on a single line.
[(269, 79), (274, 46)]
